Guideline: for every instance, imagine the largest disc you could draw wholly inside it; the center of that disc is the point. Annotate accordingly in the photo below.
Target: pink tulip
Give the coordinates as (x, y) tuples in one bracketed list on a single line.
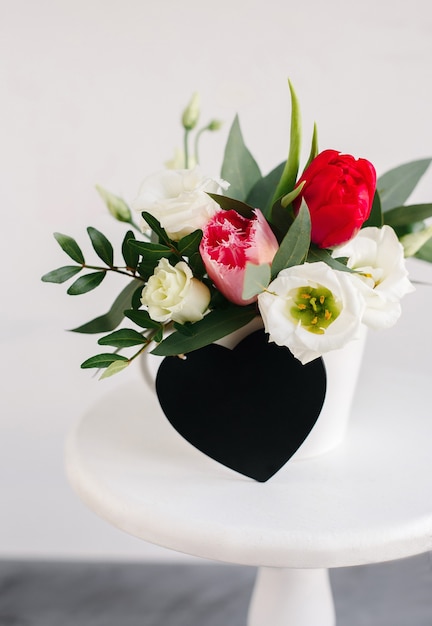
[(229, 242)]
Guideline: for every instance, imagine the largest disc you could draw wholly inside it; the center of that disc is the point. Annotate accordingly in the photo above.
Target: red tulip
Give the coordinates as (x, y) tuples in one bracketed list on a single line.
[(339, 192), (229, 242)]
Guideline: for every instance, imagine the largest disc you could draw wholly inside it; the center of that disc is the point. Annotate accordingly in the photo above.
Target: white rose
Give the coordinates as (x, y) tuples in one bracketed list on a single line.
[(379, 256), (179, 200), (311, 309), (172, 293)]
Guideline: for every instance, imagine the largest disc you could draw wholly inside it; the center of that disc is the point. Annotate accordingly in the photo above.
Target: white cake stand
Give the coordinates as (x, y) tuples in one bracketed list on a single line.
[(367, 501)]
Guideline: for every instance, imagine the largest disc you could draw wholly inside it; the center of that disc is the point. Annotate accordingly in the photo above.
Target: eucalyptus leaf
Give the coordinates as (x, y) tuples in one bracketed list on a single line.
[(239, 167), (376, 215), (62, 274), (130, 256), (123, 338), (406, 215), (295, 245), (102, 360), (256, 279), (115, 315), (289, 174), (86, 283), (396, 185), (101, 245), (142, 318), (214, 326), (114, 368), (262, 192), (70, 246)]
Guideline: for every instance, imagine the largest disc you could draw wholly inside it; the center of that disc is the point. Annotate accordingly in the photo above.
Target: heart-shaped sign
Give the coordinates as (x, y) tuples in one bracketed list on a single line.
[(249, 408)]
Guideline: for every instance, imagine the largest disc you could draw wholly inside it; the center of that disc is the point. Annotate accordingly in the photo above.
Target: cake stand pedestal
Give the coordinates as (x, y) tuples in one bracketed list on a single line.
[(365, 502)]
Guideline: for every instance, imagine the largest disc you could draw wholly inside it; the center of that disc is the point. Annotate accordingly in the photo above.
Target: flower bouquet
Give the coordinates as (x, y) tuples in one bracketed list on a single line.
[(315, 256)]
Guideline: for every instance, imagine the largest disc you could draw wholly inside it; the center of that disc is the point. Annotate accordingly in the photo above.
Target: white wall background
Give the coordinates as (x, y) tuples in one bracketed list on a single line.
[(91, 92)]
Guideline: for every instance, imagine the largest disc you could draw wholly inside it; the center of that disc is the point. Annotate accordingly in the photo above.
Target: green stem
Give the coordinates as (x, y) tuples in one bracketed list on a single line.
[(115, 269), (149, 339), (186, 148), (196, 144)]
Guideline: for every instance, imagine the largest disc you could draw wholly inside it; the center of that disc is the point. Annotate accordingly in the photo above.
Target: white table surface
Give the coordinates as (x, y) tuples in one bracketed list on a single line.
[(367, 501)]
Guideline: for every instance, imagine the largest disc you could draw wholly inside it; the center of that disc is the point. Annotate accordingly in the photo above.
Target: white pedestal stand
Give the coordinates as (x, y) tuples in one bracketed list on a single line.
[(292, 597), (363, 502)]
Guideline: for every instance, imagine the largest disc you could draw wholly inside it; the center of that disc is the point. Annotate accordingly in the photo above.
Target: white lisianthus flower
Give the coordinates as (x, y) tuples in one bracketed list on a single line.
[(179, 200), (382, 277), (311, 309), (172, 293)]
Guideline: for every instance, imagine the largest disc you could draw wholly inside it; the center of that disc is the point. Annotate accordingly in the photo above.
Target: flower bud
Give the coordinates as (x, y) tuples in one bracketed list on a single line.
[(215, 125), (115, 205), (191, 113)]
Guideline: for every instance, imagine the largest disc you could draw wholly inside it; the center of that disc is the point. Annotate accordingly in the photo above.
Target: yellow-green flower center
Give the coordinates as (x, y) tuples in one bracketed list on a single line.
[(314, 307)]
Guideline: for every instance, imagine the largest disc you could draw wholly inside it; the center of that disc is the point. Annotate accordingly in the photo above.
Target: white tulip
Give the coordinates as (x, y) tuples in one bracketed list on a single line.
[(311, 309), (173, 294)]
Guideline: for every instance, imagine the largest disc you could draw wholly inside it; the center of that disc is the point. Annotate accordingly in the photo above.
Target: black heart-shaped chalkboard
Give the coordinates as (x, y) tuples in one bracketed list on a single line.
[(249, 408)]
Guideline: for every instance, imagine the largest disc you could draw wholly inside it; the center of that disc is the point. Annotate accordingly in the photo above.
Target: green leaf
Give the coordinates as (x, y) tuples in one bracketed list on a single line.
[(292, 195), (101, 245), (150, 251), (414, 241), (157, 228), (189, 244), (115, 205), (289, 175), (262, 192), (319, 254), (102, 360), (406, 215), (425, 252), (295, 245), (256, 279), (227, 204), (396, 185), (141, 318), (130, 256), (239, 167), (135, 302), (114, 316), (196, 264), (184, 329), (376, 215), (214, 326), (71, 247), (114, 368), (124, 338), (62, 274), (314, 147), (86, 283)]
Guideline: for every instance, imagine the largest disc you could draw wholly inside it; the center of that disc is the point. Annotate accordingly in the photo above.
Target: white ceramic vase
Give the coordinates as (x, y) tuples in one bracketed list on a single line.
[(342, 370)]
